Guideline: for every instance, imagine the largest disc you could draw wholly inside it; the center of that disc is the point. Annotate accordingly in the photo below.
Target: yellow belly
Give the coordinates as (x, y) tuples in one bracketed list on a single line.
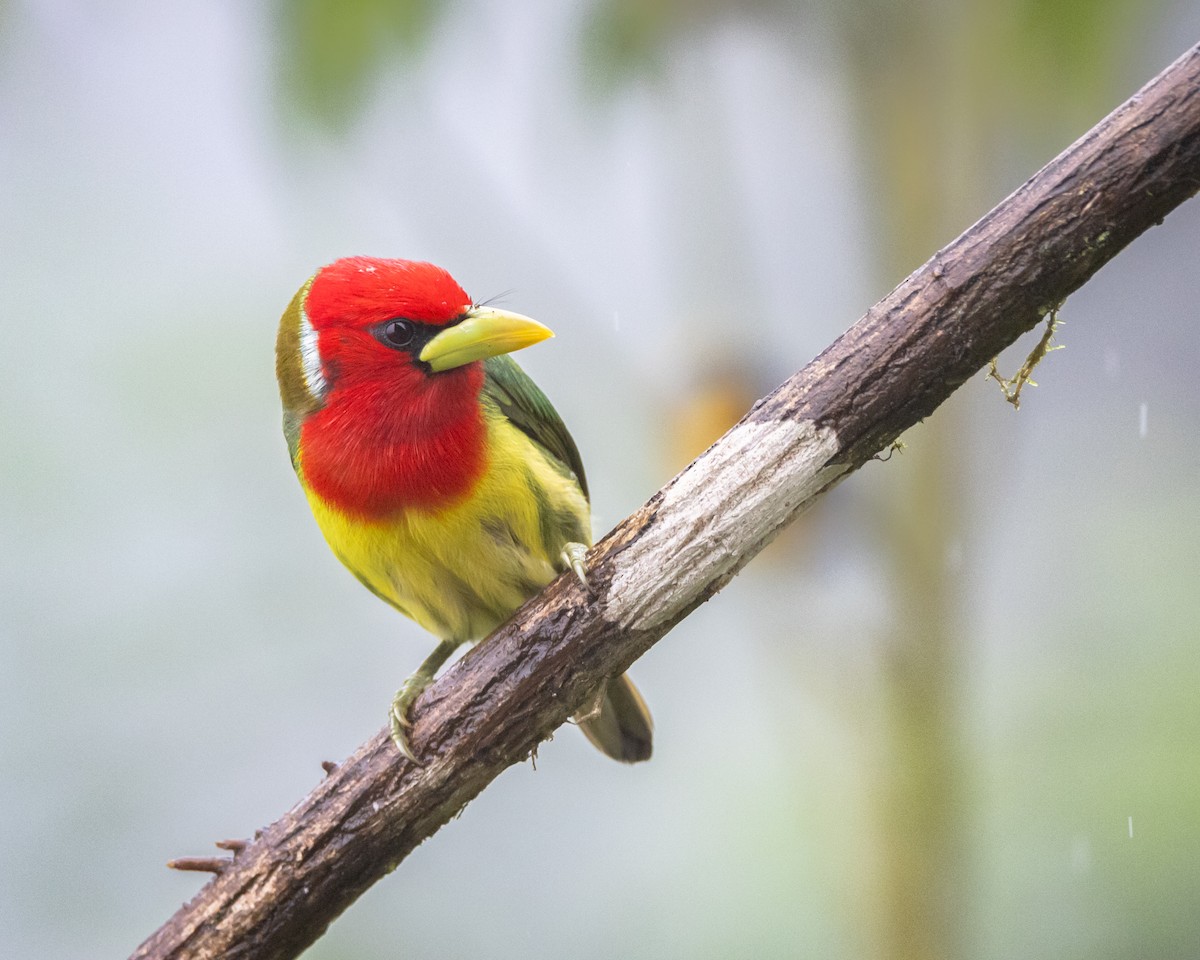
[(462, 570)]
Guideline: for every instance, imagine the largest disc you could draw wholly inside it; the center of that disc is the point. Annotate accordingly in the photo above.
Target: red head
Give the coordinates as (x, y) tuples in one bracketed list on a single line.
[(359, 291), (378, 369)]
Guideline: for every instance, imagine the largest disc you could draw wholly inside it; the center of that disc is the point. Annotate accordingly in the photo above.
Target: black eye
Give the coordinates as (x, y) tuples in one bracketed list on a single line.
[(398, 333)]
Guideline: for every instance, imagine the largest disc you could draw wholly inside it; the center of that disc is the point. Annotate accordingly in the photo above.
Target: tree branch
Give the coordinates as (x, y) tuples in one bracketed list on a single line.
[(888, 371)]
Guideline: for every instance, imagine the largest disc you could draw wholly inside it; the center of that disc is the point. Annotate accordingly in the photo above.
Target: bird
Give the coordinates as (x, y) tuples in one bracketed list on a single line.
[(439, 473)]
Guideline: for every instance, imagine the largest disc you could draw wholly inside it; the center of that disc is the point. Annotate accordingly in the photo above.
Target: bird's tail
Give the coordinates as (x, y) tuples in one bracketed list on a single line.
[(622, 728)]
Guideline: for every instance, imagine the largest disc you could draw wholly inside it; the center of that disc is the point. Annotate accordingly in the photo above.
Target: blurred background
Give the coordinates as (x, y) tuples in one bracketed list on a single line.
[(953, 712)]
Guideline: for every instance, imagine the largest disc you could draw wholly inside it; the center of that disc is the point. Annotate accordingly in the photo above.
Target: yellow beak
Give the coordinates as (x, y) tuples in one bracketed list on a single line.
[(484, 333)]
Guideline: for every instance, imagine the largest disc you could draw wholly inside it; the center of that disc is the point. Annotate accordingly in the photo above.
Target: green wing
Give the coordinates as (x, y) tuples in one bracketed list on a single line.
[(519, 399)]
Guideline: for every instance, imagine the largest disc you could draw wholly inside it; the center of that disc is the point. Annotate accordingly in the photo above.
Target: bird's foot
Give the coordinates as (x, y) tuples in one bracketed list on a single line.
[(590, 708), (573, 557), (412, 688)]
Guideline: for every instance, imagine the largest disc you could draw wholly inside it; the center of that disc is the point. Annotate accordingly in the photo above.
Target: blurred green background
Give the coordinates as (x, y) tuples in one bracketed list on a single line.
[(954, 712)]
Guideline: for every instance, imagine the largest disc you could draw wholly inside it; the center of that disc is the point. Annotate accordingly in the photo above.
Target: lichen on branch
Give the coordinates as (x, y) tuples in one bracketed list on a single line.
[(1012, 385)]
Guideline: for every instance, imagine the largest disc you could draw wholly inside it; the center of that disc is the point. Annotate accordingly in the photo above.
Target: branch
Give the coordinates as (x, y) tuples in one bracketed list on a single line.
[(888, 371)]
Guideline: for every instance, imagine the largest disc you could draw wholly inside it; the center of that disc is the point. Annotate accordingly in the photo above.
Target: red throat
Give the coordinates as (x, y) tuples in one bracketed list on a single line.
[(379, 448), (390, 436)]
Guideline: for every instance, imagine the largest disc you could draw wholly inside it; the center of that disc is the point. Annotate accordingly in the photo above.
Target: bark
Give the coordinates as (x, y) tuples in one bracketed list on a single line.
[(888, 371)]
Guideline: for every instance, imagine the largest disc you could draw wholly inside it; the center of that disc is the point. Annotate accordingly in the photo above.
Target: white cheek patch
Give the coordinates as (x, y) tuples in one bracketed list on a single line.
[(310, 358)]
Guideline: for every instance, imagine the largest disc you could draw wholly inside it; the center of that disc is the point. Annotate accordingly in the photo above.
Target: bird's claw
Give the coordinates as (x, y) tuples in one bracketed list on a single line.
[(591, 707), (398, 715), (573, 557)]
